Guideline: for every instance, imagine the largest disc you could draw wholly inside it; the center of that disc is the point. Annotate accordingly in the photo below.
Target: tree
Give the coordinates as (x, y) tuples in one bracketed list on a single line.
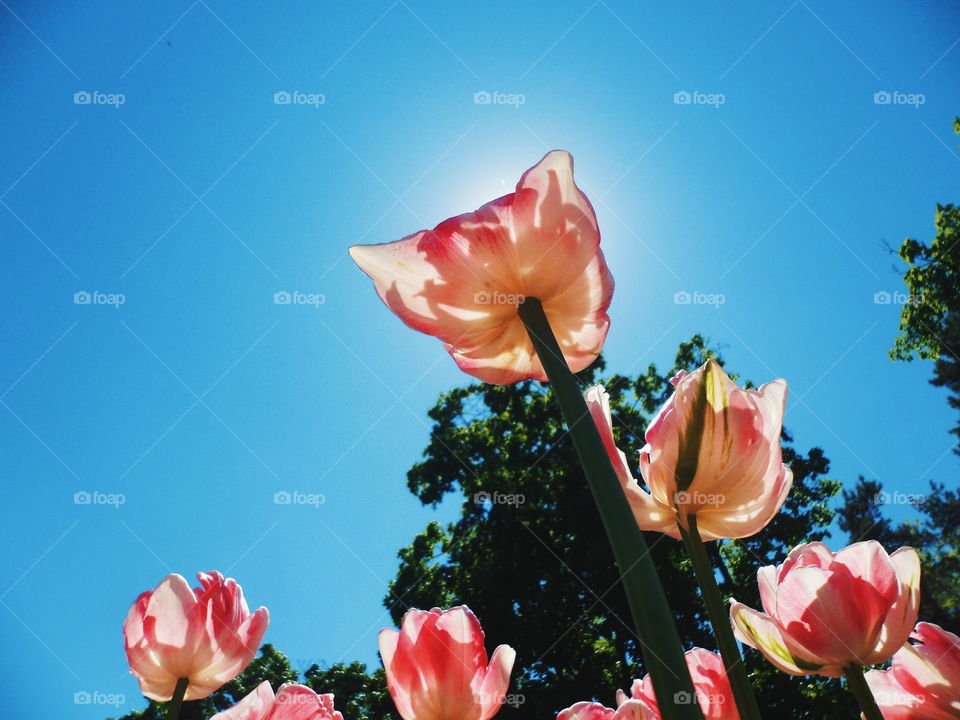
[(935, 536), (930, 319), (530, 557)]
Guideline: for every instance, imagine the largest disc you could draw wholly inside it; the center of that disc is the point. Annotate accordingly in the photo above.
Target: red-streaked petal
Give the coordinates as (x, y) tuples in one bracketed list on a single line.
[(902, 615), (496, 681), (760, 632), (586, 711), (598, 402), (255, 706)]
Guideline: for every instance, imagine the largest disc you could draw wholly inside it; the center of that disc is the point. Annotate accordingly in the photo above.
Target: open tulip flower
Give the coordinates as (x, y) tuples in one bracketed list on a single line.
[(627, 710), (924, 680), (463, 281), (713, 451), (711, 688), (437, 667), (292, 702), (826, 613), (207, 635)]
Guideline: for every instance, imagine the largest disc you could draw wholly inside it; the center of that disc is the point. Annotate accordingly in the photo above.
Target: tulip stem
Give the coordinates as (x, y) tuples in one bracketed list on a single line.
[(652, 617), (858, 686), (720, 620), (176, 702)]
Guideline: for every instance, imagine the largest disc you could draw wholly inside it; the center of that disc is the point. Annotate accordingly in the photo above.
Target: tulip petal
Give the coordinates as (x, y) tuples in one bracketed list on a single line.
[(496, 682), (902, 615), (254, 706), (760, 632), (586, 711)]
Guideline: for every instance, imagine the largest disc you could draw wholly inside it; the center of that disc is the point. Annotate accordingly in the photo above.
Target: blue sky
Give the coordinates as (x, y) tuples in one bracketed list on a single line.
[(183, 187)]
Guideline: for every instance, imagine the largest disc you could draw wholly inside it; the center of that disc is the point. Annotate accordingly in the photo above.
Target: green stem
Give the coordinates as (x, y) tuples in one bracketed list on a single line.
[(720, 620), (654, 621), (176, 702), (861, 691)]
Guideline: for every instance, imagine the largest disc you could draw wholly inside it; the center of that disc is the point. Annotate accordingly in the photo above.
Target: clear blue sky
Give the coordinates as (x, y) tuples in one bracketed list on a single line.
[(198, 198)]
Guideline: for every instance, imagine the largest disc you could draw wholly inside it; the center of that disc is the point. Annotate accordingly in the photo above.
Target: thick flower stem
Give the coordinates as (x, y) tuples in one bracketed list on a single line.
[(652, 617), (861, 691), (173, 709), (720, 620)]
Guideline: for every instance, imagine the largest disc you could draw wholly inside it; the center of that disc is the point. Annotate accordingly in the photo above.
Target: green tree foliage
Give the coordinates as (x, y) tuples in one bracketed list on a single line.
[(529, 555), (270, 664), (930, 321), (935, 535)]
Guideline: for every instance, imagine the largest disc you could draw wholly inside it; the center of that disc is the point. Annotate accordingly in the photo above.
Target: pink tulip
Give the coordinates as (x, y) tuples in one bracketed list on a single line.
[(206, 635), (628, 710), (826, 612), (713, 450), (711, 688), (292, 702), (462, 281), (437, 667), (924, 680)]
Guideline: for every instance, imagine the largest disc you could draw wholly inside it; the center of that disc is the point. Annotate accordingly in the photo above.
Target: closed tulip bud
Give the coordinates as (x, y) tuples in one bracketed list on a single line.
[(711, 688), (826, 612), (627, 710), (292, 702), (924, 681), (207, 635), (437, 667)]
